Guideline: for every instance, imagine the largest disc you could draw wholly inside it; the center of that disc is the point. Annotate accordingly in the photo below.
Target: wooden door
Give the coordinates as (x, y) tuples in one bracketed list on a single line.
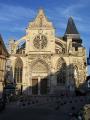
[(34, 86), (43, 86)]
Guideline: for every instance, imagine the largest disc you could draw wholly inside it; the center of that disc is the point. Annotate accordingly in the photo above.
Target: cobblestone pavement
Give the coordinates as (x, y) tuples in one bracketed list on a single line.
[(32, 114), (49, 109)]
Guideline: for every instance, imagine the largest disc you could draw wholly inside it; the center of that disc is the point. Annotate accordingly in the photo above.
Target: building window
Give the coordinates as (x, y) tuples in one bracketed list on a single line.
[(61, 72), (76, 48), (18, 70)]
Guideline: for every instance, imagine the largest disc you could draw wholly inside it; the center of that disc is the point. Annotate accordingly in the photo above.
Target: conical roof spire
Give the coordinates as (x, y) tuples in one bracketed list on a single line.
[(71, 27)]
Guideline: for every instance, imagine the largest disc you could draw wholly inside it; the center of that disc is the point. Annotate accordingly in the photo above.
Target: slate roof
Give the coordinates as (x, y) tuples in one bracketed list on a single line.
[(4, 47), (71, 27)]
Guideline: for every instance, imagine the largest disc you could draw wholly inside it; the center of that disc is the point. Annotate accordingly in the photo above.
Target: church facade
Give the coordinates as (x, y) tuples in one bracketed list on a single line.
[(42, 63)]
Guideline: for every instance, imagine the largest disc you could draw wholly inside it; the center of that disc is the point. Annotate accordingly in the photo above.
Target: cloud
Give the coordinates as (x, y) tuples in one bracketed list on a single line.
[(12, 13), (77, 11), (84, 28), (71, 10), (15, 18)]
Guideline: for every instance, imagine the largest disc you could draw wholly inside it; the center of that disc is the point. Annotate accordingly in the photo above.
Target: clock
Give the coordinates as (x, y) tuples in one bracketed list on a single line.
[(40, 41)]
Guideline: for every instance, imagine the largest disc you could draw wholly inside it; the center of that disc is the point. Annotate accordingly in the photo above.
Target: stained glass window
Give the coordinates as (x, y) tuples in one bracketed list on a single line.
[(18, 70), (40, 41)]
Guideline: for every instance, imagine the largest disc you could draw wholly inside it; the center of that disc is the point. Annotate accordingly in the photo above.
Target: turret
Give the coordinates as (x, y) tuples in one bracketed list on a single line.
[(71, 29), (72, 35)]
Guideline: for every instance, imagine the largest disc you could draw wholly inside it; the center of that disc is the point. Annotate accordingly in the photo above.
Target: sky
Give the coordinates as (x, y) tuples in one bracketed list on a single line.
[(15, 16)]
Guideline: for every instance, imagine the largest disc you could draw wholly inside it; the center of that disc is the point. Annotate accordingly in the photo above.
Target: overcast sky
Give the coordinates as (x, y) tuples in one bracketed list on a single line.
[(16, 14)]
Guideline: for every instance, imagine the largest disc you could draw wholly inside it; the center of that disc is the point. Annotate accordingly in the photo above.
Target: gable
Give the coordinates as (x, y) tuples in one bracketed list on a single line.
[(3, 50)]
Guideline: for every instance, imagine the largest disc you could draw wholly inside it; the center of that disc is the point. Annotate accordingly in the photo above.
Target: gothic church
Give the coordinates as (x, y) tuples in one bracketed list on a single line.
[(43, 63)]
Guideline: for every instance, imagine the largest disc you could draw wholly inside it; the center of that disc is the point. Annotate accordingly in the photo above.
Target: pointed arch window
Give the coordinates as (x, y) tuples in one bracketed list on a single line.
[(18, 70), (61, 72)]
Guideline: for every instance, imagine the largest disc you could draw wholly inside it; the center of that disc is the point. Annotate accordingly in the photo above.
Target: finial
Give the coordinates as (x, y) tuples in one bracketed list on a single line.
[(41, 11)]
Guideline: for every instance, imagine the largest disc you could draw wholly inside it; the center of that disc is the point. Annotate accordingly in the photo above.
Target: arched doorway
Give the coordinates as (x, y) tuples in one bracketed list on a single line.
[(39, 77)]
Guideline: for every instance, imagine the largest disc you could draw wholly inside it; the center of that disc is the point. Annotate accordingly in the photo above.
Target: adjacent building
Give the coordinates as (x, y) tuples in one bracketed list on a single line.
[(3, 55), (43, 63)]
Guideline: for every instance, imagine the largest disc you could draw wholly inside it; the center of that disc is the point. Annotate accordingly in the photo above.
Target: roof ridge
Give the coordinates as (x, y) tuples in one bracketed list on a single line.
[(4, 47)]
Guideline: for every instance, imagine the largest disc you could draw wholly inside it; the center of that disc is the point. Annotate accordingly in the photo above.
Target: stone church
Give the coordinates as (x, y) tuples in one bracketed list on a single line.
[(43, 63)]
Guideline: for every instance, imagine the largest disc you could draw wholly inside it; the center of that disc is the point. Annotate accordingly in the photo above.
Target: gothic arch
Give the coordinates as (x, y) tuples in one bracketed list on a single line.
[(61, 71), (39, 76), (18, 70), (40, 65), (61, 63)]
